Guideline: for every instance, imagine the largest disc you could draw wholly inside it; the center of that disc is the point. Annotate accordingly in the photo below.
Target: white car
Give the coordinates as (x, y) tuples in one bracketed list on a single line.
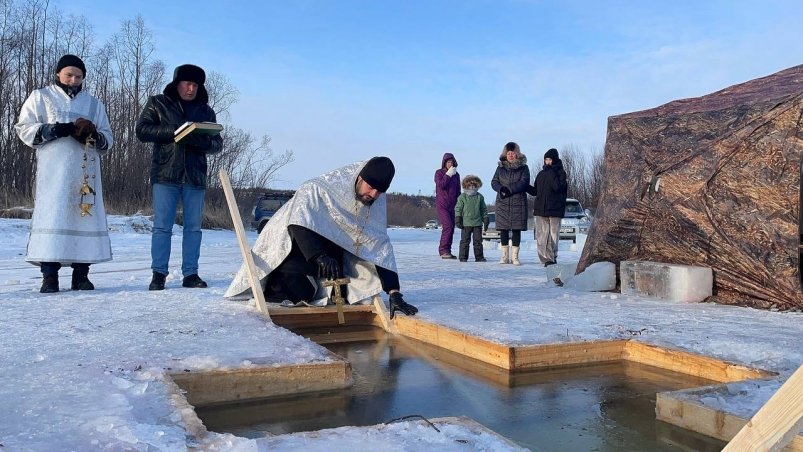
[(432, 224)]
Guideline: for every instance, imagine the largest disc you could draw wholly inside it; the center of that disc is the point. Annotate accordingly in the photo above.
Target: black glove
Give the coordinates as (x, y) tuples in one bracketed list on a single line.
[(328, 267), (398, 303), (197, 142), (485, 223), (84, 128), (62, 129), (458, 222), (504, 192)]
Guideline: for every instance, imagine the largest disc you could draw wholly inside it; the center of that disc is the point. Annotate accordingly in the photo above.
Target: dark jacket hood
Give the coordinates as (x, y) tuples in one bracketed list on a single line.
[(446, 157)]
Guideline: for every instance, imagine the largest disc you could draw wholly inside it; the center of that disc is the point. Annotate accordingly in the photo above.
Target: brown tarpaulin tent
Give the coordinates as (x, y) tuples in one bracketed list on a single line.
[(711, 181)]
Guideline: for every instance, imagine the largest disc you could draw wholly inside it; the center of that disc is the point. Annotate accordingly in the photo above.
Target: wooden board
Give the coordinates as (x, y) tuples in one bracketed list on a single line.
[(382, 314), (262, 381), (566, 354), (706, 420), (248, 258), (456, 341), (689, 363), (293, 318), (777, 422)]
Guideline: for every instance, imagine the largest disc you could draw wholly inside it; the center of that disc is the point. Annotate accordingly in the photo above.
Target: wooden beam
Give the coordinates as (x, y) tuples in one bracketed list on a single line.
[(690, 364), (382, 313), (262, 381), (248, 258), (294, 318), (456, 341), (776, 423), (566, 354), (696, 417)]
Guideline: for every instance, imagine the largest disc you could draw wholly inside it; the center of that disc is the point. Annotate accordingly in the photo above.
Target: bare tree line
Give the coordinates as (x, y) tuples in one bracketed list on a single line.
[(121, 72)]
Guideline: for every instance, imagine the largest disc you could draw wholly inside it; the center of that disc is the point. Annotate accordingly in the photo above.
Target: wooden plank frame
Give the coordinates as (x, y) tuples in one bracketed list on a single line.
[(248, 258), (203, 388)]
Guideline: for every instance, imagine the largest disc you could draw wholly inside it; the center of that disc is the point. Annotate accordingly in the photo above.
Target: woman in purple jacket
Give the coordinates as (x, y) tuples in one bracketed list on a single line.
[(447, 189)]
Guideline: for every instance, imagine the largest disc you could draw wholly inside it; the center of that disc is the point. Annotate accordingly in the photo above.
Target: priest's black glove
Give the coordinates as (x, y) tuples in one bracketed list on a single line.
[(504, 192), (62, 129), (397, 303), (458, 222), (328, 267)]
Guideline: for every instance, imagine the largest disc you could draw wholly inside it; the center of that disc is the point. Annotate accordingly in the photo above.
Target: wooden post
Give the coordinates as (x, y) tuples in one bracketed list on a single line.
[(248, 258), (776, 423), (381, 311)]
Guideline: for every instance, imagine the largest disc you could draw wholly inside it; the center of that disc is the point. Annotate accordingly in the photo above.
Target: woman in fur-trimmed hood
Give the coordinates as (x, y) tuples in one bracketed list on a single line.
[(471, 215), (510, 182)]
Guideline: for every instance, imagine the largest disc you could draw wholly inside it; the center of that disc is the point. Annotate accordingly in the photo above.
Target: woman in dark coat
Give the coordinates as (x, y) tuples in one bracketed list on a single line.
[(510, 182), (550, 191), (447, 189)]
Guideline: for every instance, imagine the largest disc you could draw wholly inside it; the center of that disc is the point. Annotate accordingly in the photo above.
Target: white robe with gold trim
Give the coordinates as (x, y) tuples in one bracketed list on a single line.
[(58, 231)]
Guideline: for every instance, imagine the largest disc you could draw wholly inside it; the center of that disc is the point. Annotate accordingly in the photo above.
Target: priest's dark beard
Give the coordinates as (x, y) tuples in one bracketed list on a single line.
[(364, 202)]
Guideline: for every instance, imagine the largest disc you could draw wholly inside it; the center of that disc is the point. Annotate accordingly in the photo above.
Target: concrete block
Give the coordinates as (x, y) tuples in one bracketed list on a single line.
[(686, 283)]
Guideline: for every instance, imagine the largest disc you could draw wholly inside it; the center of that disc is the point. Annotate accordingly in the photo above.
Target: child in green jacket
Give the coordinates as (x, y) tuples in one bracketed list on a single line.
[(471, 214)]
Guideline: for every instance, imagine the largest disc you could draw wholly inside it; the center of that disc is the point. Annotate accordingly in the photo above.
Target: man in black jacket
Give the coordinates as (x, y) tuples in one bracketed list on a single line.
[(178, 170), (550, 190)]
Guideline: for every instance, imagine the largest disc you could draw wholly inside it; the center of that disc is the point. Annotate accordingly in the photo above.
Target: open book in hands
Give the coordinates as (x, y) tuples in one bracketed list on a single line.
[(202, 128)]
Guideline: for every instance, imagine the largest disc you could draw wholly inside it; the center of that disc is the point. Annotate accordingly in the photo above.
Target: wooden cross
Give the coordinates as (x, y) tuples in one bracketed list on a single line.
[(337, 297)]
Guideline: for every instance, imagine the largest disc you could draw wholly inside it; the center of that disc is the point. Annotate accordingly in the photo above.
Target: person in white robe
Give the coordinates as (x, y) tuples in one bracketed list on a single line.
[(334, 226), (69, 130)]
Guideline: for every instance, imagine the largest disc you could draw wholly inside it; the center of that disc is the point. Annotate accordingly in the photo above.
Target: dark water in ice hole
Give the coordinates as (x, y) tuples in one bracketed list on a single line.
[(601, 407)]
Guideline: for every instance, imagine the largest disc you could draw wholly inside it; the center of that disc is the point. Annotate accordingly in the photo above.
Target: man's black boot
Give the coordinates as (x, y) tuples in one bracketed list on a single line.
[(157, 282), (194, 281), (50, 284)]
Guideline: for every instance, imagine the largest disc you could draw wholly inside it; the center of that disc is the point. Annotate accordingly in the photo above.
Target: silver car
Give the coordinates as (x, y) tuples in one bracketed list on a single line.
[(491, 233), (576, 220)]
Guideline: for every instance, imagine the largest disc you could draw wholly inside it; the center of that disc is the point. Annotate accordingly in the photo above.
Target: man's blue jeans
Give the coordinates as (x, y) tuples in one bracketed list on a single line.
[(165, 204)]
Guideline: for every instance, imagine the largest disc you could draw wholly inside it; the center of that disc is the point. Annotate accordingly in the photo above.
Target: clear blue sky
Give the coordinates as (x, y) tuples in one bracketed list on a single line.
[(340, 81)]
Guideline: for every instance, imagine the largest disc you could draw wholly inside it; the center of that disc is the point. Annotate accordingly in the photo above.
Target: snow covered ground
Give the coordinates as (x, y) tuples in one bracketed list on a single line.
[(84, 370)]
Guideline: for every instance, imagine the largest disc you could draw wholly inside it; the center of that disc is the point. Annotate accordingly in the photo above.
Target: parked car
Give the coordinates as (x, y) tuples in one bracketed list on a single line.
[(432, 224), (491, 233), (576, 220), (267, 205)]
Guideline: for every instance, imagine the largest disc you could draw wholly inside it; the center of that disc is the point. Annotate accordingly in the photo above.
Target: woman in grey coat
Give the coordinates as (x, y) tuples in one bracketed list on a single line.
[(510, 182)]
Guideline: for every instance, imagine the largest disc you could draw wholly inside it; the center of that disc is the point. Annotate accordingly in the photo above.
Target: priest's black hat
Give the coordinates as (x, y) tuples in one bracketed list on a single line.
[(70, 60), (378, 172)]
